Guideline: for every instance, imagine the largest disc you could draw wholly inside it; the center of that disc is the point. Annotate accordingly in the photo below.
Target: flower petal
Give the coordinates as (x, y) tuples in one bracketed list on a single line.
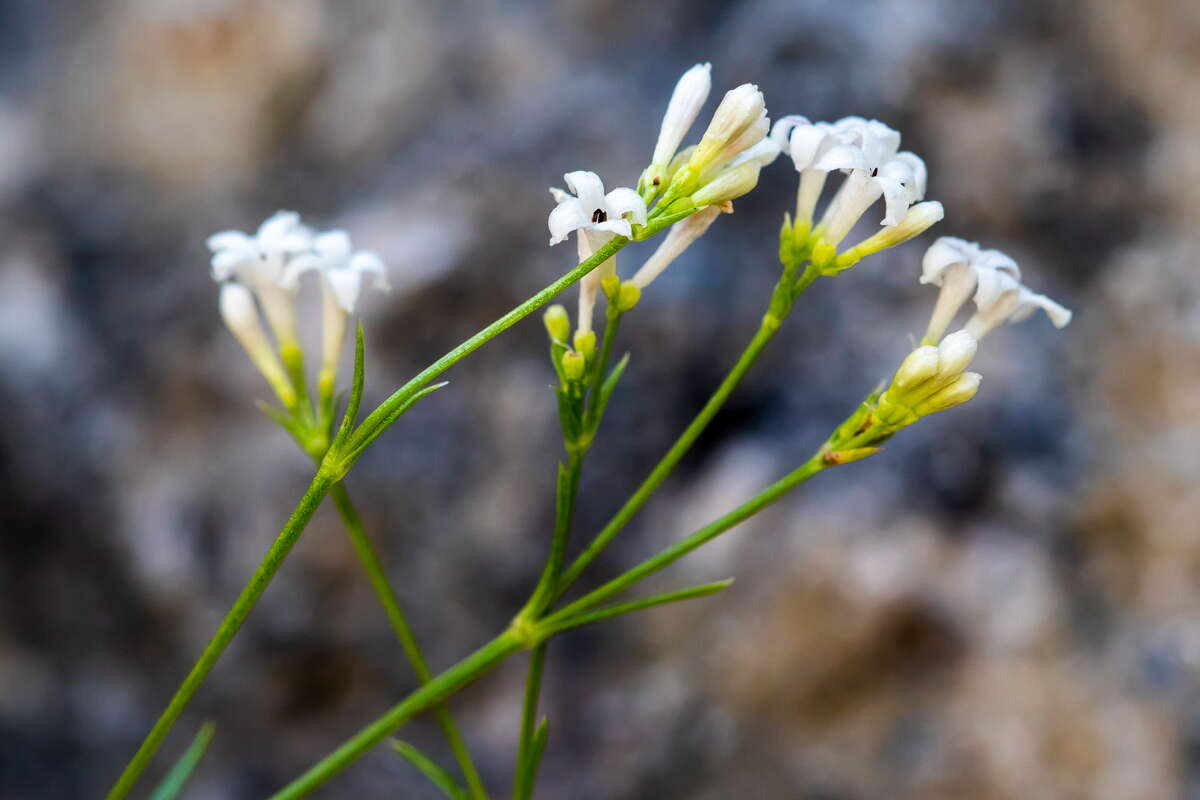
[(621, 227), (1030, 301), (622, 201), (335, 247), (993, 287), (230, 240), (307, 262), (588, 187), (841, 156), (567, 216), (365, 261), (784, 128), (225, 263), (946, 252), (345, 284)]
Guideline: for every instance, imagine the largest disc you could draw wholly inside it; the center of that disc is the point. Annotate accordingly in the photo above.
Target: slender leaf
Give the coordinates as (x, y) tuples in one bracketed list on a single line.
[(172, 785), (607, 612), (438, 776)]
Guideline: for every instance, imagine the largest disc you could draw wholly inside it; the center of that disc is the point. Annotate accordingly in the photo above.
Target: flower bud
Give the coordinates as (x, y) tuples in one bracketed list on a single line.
[(919, 366), (573, 365), (728, 185), (916, 221), (686, 102), (741, 111), (957, 393), (954, 354), (585, 343), (627, 297), (611, 286), (557, 323)]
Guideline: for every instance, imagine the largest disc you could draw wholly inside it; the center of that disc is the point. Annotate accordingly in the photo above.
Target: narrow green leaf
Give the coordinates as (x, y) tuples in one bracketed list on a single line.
[(608, 612), (396, 414), (172, 785), (527, 769), (356, 388), (437, 776)]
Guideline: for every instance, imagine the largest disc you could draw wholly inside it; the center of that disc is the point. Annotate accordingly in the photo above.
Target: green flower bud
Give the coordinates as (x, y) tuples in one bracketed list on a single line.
[(573, 365), (611, 286), (585, 343), (557, 323), (628, 297)]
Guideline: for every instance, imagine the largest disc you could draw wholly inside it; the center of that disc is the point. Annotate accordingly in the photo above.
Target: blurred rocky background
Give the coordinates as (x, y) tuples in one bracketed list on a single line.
[(1005, 604)]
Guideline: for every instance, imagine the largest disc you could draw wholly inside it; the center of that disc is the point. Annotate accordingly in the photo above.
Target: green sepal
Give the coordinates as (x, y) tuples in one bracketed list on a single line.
[(427, 767), (173, 783)]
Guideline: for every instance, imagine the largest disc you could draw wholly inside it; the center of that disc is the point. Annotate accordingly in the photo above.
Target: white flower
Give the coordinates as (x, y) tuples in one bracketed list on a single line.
[(686, 102), (867, 150), (679, 238), (342, 271), (595, 217), (342, 268), (259, 261), (960, 267), (592, 209), (262, 256), (241, 317)]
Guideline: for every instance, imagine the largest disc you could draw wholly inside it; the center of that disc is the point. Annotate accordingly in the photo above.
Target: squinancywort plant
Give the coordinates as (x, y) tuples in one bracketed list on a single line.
[(686, 191)]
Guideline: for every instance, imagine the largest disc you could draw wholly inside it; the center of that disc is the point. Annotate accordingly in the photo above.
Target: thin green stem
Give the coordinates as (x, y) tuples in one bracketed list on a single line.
[(442, 686), (672, 457), (533, 686), (391, 604), (229, 626), (677, 551), (601, 366)]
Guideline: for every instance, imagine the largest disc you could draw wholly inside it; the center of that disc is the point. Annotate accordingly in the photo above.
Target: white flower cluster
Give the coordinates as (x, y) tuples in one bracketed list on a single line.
[(268, 264), (961, 269)]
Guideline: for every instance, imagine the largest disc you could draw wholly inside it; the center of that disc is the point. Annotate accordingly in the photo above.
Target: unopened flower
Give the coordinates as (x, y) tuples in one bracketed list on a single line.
[(259, 261), (595, 217), (739, 123), (737, 177), (241, 317), (343, 272), (931, 378), (916, 221), (686, 101), (679, 238)]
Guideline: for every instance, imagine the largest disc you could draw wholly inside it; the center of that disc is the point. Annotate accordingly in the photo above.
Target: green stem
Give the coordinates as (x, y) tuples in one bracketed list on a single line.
[(233, 620), (387, 596), (373, 425), (522, 787), (634, 504), (677, 551), (600, 367), (442, 686)]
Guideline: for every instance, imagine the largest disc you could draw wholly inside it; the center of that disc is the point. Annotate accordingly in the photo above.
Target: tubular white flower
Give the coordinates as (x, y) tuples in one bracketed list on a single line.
[(343, 272), (592, 209), (259, 262), (595, 217), (679, 238), (686, 101), (241, 317), (816, 149), (959, 267)]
